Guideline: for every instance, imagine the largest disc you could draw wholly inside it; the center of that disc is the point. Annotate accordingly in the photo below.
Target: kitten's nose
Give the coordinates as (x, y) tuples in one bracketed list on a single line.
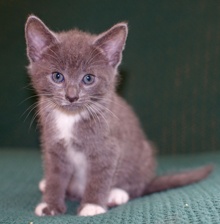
[(72, 94), (72, 99)]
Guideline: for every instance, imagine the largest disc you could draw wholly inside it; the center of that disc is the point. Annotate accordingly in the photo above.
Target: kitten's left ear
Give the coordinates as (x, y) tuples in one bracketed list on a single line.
[(112, 43), (38, 37)]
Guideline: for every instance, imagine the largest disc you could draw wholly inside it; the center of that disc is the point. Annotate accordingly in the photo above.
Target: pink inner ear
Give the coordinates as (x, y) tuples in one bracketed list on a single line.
[(113, 51), (38, 41), (112, 43), (112, 47), (38, 37)]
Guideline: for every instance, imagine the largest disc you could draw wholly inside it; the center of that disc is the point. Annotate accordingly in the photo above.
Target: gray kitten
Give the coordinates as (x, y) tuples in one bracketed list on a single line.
[(94, 149)]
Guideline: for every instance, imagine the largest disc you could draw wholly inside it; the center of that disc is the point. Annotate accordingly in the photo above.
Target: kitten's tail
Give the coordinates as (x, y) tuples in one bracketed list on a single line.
[(161, 183)]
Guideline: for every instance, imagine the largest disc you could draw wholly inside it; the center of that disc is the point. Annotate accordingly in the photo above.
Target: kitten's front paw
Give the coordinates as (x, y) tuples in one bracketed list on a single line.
[(117, 196), (44, 209), (91, 210)]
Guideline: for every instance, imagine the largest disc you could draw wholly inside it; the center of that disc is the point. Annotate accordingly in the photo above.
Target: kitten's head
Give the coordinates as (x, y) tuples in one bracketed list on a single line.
[(73, 69)]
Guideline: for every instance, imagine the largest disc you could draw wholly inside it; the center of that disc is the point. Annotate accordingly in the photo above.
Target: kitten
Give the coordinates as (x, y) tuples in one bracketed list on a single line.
[(93, 147)]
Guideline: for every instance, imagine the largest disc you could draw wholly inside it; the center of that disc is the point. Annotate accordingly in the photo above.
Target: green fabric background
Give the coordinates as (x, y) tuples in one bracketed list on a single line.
[(170, 75), (170, 71), (19, 194)]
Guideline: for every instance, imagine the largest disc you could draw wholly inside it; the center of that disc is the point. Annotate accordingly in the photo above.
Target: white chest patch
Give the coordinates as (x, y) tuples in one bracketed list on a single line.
[(65, 125)]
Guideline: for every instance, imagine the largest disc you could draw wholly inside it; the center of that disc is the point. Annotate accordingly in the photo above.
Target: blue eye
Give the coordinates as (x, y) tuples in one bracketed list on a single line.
[(57, 77), (88, 79)]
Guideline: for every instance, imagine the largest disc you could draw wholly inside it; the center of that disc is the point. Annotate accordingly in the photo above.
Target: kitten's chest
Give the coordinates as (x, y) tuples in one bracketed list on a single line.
[(66, 126), (66, 131)]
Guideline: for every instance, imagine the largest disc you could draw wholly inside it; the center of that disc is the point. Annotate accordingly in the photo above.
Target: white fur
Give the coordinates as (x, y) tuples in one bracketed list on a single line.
[(79, 162), (65, 128), (42, 185), (117, 196), (91, 209), (39, 209), (65, 124)]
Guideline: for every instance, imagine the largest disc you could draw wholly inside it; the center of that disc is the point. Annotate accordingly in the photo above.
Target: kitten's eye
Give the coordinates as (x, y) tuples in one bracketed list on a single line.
[(88, 79), (57, 77)]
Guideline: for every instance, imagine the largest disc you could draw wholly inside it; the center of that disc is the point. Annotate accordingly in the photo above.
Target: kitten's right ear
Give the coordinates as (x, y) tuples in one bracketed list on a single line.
[(38, 37), (112, 43)]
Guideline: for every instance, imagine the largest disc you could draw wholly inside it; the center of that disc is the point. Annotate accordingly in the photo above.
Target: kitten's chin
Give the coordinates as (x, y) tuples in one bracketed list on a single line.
[(71, 108)]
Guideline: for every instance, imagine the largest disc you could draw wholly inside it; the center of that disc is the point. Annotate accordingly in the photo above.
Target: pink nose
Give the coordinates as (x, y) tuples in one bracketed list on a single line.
[(72, 99)]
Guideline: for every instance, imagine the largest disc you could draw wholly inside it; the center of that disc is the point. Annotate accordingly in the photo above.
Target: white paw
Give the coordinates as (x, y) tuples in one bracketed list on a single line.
[(39, 209), (91, 209), (117, 197), (42, 185)]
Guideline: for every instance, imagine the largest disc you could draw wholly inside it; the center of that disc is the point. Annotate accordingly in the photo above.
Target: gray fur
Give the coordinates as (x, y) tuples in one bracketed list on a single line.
[(107, 133)]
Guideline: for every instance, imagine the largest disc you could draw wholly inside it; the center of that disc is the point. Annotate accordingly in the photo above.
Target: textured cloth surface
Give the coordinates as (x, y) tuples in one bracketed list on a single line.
[(197, 203)]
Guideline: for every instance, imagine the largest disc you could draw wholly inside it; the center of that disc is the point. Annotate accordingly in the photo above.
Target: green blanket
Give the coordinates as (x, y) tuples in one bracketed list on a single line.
[(197, 203)]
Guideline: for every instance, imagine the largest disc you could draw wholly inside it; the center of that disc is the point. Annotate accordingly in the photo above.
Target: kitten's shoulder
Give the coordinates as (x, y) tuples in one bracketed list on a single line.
[(122, 107)]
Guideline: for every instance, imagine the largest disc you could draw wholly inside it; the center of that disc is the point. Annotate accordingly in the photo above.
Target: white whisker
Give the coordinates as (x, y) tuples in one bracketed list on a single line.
[(48, 105), (31, 108), (95, 114), (107, 100), (105, 108), (36, 95), (90, 112), (99, 112)]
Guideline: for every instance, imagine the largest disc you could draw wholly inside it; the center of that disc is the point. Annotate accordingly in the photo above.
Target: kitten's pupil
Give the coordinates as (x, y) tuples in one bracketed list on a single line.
[(88, 79), (57, 77)]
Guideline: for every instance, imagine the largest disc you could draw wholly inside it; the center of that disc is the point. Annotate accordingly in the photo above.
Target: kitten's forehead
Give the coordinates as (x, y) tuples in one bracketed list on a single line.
[(75, 47), (75, 42)]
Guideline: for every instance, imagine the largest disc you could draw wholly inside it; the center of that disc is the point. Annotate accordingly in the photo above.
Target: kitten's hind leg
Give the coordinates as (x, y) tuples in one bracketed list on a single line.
[(117, 196)]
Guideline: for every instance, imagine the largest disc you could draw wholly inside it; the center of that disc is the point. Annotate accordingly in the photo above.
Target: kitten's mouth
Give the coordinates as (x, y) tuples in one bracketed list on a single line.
[(72, 107)]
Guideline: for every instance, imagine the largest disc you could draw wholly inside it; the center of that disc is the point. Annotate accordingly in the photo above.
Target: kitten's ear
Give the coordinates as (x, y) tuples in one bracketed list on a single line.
[(112, 43), (38, 37)]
